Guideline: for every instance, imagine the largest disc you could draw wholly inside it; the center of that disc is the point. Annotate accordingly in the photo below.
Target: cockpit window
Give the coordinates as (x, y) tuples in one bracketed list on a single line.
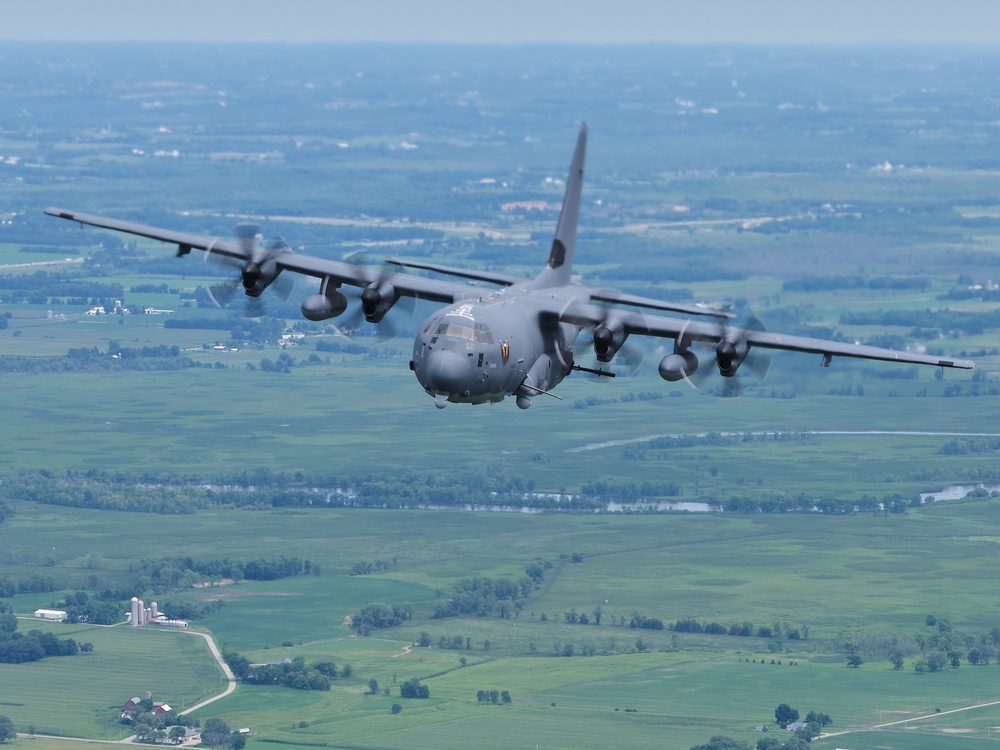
[(480, 334)]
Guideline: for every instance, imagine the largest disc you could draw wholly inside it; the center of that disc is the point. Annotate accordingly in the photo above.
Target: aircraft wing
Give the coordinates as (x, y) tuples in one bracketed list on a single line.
[(492, 277), (619, 298), (691, 331), (437, 290)]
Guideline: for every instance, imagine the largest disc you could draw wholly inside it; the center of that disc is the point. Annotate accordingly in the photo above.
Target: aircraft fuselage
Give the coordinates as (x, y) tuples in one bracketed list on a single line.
[(484, 349)]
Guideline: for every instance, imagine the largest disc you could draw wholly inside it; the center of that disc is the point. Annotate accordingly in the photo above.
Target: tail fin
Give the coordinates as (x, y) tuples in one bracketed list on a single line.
[(558, 271)]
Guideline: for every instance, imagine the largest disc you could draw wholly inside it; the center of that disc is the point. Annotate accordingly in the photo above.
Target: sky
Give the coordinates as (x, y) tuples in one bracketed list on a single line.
[(507, 21)]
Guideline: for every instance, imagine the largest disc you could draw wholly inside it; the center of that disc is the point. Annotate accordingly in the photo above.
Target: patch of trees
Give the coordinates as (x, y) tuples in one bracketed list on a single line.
[(970, 445), (832, 283), (365, 567), (174, 571), (966, 293), (606, 489), (493, 696), (293, 673), (413, 688), (945, 320), (36, 583), (17, 648), (6, 511), (767, 502), (103, 608), (7, 731), (147, 358), (40, 286), (740, 629), (482, 597), (626, 398), (340, 347), (379, 616), (644, 622)]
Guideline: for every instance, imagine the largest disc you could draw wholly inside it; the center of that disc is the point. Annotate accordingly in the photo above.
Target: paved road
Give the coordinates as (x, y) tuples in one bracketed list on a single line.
[(225, 668)]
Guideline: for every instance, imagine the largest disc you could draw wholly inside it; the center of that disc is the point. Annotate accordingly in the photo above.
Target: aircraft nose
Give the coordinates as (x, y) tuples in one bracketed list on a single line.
[(447, 371)]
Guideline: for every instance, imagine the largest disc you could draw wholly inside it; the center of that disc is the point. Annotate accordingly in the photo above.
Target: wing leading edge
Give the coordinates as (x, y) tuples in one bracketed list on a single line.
[(437, 290), (686, 332)]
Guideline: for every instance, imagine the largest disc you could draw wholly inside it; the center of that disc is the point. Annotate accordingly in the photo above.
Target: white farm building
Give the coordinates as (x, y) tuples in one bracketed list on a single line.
[(50, 614)]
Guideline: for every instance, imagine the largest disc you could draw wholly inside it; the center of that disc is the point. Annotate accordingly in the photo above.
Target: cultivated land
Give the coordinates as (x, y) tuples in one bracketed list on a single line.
[(713, 175)]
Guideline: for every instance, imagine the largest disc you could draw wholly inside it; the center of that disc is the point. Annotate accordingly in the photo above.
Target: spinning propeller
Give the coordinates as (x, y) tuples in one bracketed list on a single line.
[(259, 272), (376, 299), (734, 357)]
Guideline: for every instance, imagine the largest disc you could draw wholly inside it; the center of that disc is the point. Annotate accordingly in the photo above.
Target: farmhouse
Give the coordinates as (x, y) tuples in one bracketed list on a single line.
[(134, 706), (50, 614)]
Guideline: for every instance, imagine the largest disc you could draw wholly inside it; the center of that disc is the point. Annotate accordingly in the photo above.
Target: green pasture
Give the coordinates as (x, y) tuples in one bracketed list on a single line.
[(572, 703), (853, 573), (82, 695), (355, 417), (856, 577)]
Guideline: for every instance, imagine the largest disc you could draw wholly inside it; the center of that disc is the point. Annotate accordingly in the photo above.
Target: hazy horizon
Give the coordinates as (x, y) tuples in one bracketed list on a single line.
[(768, 22)]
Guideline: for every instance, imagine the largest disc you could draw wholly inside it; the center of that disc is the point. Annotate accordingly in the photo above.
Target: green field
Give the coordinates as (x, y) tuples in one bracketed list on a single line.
[(861, 578), (82, 695)]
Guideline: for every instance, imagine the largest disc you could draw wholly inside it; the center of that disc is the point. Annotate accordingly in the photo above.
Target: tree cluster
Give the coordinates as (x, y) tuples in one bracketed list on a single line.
[(365, 567), (7, 731), (645, 622), (36, 583), (17, 648), (378, 616), (483, 597), (293, 673), (413, 688), (103, 608), (493, 696)]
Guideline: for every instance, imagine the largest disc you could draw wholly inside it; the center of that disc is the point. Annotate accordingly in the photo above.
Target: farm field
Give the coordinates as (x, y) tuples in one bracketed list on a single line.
[(81, 696), (863, 578)]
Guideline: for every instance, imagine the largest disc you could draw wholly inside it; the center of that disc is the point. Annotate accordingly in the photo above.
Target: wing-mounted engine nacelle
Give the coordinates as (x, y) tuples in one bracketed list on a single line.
[(377, 299), (608, 339), (258, 276), (678, 366), (729, 355)]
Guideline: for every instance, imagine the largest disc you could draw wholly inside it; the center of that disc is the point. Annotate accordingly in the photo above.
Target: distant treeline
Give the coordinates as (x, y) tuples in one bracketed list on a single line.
[(36, 583), (104, 491), (17, 648), (768, 502), (970, 445), (173, 571), (941, 320), (92, 359), (40, 286), (832, 283), (102, 608)]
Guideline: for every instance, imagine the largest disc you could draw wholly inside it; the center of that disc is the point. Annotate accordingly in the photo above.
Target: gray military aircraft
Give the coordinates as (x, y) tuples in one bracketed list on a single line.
[(518, 339)]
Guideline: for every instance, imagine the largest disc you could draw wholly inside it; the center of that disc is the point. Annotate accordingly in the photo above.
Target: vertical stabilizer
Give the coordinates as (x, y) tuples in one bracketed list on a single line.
[(559, 269)]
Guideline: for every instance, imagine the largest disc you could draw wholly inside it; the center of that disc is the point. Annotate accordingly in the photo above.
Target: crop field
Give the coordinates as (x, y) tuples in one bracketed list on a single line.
[(858, 577)]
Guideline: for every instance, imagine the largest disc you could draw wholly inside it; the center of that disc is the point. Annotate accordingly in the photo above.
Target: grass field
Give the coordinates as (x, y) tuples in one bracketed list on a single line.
[(82, 695), (860, 577)]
